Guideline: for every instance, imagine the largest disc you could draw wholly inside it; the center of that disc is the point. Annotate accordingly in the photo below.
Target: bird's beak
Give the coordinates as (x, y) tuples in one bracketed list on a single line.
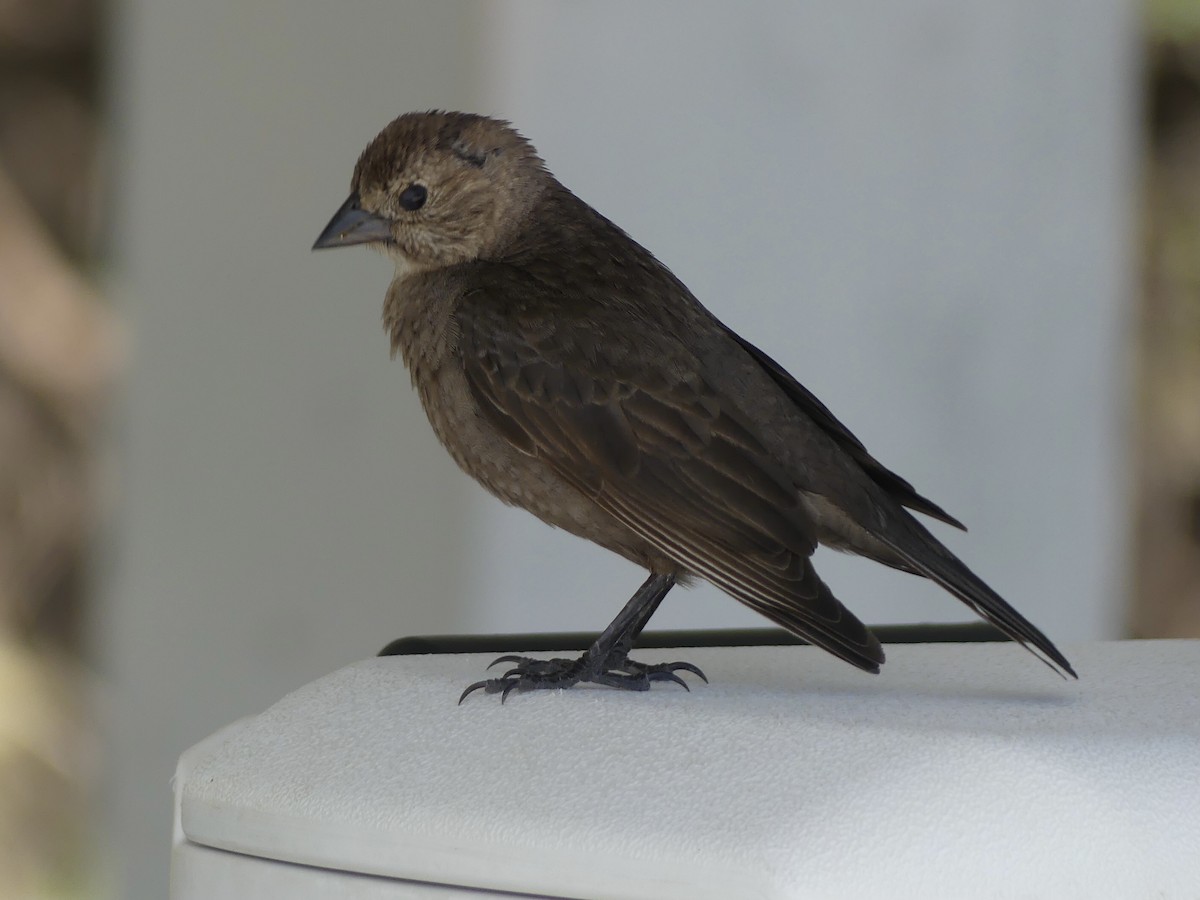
[(352, 224)]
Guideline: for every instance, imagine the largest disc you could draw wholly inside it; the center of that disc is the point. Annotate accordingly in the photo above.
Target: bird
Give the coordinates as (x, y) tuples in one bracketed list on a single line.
[(572, 374)]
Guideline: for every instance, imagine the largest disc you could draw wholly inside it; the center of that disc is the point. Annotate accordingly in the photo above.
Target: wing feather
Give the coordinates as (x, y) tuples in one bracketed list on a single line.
[(673, 463), (897, 487)]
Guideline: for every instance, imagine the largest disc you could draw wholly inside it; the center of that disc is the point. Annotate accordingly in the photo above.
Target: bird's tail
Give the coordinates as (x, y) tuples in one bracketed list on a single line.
[(926, 555)]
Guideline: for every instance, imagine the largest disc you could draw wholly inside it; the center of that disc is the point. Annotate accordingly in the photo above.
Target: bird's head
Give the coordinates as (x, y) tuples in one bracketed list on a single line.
[(438, 188)]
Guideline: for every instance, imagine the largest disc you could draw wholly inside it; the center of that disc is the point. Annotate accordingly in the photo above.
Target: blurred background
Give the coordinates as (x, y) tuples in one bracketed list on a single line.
[(973, 229)]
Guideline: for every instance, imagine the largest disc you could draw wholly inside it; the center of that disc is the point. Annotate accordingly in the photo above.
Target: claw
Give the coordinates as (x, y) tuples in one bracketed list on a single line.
[(668, 675), (633, 667), (510, 658), (688, 667), (471, 687), (618, 671)]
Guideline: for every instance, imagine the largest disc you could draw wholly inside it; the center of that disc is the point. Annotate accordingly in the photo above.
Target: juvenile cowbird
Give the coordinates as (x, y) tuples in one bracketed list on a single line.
[(569, 372)]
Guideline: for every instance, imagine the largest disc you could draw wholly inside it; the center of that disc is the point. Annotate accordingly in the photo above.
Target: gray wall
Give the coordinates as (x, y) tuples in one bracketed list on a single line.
[(919, 207), (285, 508)]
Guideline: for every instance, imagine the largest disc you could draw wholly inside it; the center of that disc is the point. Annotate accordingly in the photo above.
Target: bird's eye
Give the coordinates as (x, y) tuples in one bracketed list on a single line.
[(413, 197)]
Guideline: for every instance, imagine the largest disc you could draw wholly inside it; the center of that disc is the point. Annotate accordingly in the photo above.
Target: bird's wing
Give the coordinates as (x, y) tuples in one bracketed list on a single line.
[(915, 549), (654, 446), (899, 489)]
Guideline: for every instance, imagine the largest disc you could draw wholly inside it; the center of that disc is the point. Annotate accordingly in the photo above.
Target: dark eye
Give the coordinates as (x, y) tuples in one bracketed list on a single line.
[(413, 197)]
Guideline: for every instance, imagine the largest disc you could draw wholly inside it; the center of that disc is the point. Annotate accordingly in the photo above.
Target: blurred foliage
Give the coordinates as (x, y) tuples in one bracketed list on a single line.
[(57, 359), (50, 85), (1166, 432), (1173, 20), (47, 760)]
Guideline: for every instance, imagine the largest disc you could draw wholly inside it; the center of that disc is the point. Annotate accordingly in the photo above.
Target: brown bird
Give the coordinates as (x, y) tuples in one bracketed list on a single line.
[(569, 372)]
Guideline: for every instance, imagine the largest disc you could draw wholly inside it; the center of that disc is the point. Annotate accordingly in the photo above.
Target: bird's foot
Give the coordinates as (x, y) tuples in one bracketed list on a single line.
[(616, 670)]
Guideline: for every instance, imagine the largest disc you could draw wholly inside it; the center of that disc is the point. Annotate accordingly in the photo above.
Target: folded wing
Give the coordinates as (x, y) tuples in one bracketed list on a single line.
[(669, 459)]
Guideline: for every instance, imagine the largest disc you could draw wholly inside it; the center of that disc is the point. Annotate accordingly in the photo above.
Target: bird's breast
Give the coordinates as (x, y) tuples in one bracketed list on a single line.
[(515, 477), (424, 332)]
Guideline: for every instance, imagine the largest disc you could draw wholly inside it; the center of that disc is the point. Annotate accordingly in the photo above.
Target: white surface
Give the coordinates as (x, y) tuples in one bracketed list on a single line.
[(201, 873), (204, 873), (964, 770)]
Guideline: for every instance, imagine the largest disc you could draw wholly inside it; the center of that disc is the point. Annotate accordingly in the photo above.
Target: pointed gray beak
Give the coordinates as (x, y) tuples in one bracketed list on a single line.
[(351, 224)]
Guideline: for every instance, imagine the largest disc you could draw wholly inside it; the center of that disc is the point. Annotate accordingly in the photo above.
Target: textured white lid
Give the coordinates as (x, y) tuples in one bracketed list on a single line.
[(963, 770)]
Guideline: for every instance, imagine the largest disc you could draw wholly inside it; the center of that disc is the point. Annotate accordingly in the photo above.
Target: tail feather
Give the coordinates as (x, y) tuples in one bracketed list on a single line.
[(929, 558)]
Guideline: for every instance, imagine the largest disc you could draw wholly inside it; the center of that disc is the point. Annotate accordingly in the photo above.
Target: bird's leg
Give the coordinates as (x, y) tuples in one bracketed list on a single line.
[(618, 656), (605, 662)]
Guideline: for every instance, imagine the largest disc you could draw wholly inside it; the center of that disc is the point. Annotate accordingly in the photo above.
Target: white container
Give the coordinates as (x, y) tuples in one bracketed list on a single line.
[(963, 771)]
